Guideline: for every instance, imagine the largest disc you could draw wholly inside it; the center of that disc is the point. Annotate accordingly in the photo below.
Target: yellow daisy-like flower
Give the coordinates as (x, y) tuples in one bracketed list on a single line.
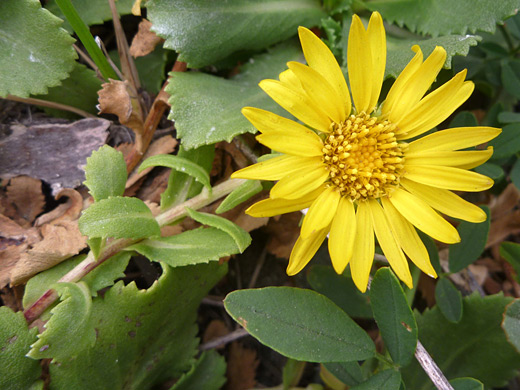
[(353, 165)]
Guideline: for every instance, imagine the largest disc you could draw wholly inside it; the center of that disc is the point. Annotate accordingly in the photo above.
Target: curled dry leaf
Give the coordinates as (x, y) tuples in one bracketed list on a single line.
[(506, 216), (24, 200), (241, 368), (144, 41), (116, 97)]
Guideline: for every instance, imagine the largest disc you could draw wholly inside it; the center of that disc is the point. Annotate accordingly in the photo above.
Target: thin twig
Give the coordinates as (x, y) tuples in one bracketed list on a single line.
[(235, 335), (431, 368), (45, 103), (88, 60)]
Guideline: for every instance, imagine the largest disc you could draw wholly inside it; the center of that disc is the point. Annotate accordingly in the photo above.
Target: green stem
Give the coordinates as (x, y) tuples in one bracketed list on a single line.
[(383, 359), (84, 35)]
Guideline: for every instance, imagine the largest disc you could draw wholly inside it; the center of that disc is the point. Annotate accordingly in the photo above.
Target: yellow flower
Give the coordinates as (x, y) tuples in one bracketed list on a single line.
[(354, 165)]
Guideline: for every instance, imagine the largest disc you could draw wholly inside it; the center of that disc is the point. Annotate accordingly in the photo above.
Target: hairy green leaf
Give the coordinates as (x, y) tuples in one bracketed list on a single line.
[(206, 31), (35, 53), (119, 217), (206, 108), (17, 371), (449, 300), (511, 324), (239, 195), (208, 373), (393, 316), (105, 173), (384, 380), (300, 324), (240, 236)]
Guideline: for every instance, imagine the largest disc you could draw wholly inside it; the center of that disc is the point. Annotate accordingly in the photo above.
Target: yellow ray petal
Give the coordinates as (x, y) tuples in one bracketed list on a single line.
[(342, 235), (272, 207), (320, 58), (304, 250), (462, 159), (408, 238), (288, 78), (400, 84), (300, 183), (276, 168), (377, 38), (319, 89), (388, 243), (417, 85), (448, 178), (363, 254), (321, 212), (419, 214), (360, 67), (298, 104), (445, 201), (453, 139), (304, 145)]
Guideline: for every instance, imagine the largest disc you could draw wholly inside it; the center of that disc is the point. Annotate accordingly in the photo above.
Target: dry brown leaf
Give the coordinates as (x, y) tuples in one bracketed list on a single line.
[(116, 97), (145, 40), (153, 190), (505, 202), (68, 211), (25, 196), (503, 227), (215, 329), (241, 368), (283, 232)]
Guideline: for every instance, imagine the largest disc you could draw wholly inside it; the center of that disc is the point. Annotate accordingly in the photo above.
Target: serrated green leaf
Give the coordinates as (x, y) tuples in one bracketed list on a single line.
[(190, 247), (70, 320), (240, 236), (442, 17), (449, 300), (182, 186), (179, 164), (35, 53), (143, 337), (347, 372), (493, 171), (475, 347), (208, 373), (239, 195), (119, 217), (507, 143), (206, 109), (399, 51), (393, 316), (16, 370), (300, 324), (206, 31), (105, 173), (341, 290), (473, 237), (79, 90), (105, 274), (92, 11), (466, 384), (384, 380), (510, 251), (511, 323)]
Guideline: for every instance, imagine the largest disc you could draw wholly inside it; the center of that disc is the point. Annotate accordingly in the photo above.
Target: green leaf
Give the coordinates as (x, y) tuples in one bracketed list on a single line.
[(79, 90), (341, 290), (206, 109), (292, 373), (179, 164), (393, 316), (105, 274), (507, 143), (105, 173), (96, 244), (442, 17), (449, 300), (119, 217), (399, 51), (190, 247), (466, 384), (510, 251), (239, 195), (473, 237), (510, 77), (182, 186), (515, 174), (17, 371), (35, 53), (69, 321), (493, 171), (511, 323), (464, 119), (433, 252), (208, 373), (300, 324), (509, 117), (144, 338), (347, 372), (475, 347), (206, 31), (384, 380), (240, 236)]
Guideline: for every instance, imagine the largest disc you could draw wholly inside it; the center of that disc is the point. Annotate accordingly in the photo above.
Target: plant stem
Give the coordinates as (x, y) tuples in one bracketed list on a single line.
[(54, 105), (431, 368), (115, 246)]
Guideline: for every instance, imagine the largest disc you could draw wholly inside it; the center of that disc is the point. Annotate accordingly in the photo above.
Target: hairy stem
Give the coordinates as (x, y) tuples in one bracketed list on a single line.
[(431, 368)]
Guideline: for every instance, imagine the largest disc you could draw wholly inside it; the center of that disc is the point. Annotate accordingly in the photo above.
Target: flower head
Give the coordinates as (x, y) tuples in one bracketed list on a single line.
[(352, 163)]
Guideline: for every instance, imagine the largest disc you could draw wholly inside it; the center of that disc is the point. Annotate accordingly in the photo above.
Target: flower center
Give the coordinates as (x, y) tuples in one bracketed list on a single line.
[(363, 157)]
